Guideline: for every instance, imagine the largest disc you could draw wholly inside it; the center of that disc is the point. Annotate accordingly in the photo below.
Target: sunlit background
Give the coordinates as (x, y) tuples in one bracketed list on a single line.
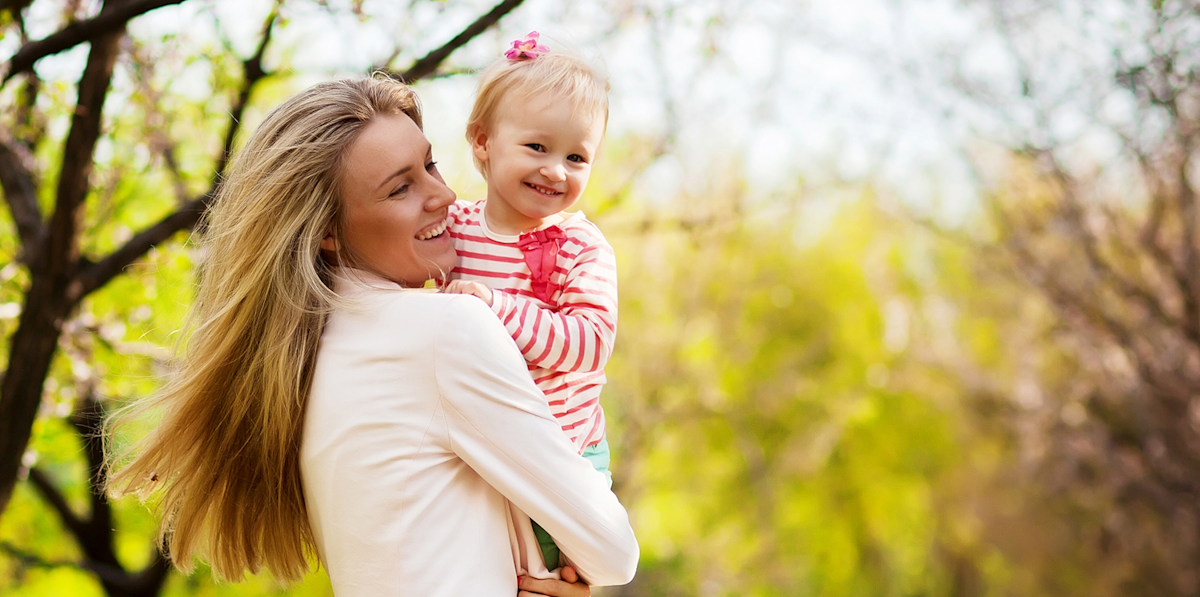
[(909, 299)]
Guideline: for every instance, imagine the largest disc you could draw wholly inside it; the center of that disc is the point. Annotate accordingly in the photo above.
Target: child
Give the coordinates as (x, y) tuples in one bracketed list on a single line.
[(549, 276)]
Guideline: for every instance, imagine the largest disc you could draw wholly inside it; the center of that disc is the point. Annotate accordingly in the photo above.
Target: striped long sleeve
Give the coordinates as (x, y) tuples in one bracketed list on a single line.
[(567, 340), (578, 335)]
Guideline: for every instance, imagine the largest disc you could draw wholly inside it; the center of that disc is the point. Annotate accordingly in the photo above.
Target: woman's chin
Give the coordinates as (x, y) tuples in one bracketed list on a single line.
[(439, 253)]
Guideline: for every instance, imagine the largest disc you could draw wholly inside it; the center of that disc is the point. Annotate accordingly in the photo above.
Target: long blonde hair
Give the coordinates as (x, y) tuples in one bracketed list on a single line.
[(224, 460)]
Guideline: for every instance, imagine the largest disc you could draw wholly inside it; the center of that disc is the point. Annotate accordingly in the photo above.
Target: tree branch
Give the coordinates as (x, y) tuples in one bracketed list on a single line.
[(56, 500), (20, 192), (106, 573), (88, 421), (14, 6), (33, 560), (1101, 266), (159, 140), (95, 275), (62, 243), (1191, 253), (253, 71), (108, 21), (425, 66)]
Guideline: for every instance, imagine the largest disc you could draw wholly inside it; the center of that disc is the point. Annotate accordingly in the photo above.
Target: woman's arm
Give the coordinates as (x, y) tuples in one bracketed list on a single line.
[(501, 426)]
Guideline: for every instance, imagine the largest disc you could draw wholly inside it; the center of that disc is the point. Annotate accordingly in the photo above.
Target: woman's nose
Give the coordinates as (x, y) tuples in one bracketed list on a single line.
[(440, 198)]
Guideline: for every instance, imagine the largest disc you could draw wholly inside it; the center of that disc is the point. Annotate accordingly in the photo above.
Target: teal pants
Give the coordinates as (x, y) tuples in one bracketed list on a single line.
[(598, 455)]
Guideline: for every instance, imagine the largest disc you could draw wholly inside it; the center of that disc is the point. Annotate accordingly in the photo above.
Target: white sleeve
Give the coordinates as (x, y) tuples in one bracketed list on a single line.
[(500, 425)]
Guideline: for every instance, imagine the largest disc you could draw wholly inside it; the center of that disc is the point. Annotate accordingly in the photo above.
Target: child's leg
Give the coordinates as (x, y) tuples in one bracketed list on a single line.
[(598, 455), (549, 548)]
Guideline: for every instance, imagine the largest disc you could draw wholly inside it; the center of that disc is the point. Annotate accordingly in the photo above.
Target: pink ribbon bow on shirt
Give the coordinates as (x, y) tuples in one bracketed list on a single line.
[(540, 250)]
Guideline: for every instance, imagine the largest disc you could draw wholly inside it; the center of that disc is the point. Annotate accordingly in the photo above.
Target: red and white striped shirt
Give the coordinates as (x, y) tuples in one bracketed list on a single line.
[(566, 341)]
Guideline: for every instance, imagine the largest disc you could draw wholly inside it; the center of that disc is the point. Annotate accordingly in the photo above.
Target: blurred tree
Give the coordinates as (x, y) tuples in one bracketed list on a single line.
[(779, 424), (115, 184), (1095, 108)]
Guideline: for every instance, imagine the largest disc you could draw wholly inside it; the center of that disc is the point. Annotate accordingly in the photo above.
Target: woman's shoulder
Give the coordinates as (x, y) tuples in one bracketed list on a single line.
[(447, 310)]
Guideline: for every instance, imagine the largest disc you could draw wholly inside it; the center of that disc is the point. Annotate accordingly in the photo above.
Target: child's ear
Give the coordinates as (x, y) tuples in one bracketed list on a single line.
[(479, 139)]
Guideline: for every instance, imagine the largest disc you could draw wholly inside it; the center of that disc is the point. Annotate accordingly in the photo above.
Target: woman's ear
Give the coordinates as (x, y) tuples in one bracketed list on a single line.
[(329, 243)]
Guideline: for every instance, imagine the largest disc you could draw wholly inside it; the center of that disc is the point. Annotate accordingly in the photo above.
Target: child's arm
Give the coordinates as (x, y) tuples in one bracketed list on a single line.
[(579, 336)]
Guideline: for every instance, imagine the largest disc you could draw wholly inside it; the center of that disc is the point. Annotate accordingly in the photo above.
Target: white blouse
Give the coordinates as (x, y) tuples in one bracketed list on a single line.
[(423, 424)]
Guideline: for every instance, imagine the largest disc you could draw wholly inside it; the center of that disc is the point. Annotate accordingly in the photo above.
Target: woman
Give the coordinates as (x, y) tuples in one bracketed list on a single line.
[(324, 401)]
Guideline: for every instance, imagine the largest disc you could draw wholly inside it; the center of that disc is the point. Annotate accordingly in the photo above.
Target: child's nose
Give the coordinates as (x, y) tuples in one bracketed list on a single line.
[(555, 172)]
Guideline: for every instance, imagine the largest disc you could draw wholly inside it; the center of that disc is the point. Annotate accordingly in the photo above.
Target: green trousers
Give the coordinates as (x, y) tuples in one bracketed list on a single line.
[(598, 455)]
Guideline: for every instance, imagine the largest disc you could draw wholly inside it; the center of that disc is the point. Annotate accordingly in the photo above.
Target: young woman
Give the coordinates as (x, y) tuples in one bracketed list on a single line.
[(324, 400)]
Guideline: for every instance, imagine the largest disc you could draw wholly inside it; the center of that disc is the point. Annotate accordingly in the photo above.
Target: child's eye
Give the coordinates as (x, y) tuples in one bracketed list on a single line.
[(431, 166), (576, 158), (535, 146)]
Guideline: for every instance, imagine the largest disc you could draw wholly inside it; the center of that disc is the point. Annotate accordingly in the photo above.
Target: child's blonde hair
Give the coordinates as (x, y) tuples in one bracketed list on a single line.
[(560, 72)]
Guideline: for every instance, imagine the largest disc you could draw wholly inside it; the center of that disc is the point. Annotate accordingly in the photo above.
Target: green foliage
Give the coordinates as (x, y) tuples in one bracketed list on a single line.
[(764, 441)]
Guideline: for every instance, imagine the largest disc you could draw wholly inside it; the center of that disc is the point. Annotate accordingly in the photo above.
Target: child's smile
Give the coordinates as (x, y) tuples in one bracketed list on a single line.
[(549, 192), (538, 156)]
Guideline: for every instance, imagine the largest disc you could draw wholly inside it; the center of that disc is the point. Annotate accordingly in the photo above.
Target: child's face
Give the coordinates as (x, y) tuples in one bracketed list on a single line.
[(538, 156)]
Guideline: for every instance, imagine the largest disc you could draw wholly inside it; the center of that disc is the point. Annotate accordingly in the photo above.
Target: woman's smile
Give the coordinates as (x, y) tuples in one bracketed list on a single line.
[(434, 231)]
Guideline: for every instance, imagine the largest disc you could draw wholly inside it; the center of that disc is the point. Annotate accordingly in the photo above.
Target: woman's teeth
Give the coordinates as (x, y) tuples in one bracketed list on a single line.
[(435, 231)]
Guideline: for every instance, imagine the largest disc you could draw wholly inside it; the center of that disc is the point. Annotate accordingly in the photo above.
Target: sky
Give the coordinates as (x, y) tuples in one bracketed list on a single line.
[(812, 94)]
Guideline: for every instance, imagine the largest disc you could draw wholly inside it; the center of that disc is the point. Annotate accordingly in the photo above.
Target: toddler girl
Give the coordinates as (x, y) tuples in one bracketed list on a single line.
[(550, 276)]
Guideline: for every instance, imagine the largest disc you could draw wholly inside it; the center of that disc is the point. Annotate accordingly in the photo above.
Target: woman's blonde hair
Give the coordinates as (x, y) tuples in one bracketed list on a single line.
[(559, 73), (225, 457)]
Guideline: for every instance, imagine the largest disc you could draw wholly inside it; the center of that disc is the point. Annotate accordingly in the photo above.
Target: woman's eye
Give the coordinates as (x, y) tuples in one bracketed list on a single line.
[(431, 166), (535, 146), (400, 190)]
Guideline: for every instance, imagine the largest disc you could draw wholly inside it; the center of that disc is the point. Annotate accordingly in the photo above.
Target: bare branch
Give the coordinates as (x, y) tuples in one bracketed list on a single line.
[(108, 21), (426, 65), (33, 560), (62, 243), (76, 525), (14, 6), (253, 71), (1191, 253), (95, 275), (20, 192), (159, 140), (1101, 266), (88, 420), (108, 574)]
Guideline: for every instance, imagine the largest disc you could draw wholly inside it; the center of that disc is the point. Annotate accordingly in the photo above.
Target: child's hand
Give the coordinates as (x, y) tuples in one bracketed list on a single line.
[(469, 287)]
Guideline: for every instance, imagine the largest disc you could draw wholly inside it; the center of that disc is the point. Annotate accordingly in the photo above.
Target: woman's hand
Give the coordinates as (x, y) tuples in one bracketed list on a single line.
[(569, 586)]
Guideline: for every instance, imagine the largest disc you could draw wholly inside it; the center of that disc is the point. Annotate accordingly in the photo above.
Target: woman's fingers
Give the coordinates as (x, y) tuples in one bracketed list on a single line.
[(533, 587)]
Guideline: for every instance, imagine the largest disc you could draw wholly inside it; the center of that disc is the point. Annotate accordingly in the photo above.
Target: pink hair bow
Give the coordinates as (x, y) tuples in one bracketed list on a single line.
[(526, 49)]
